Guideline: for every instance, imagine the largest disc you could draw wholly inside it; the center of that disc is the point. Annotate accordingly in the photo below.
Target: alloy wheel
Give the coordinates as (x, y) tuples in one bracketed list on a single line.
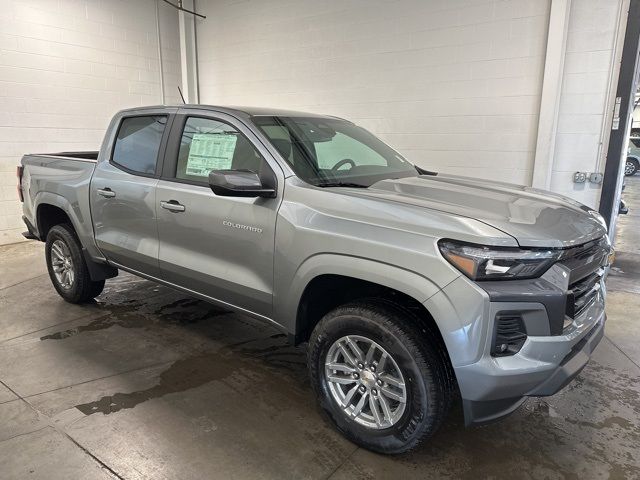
[(365, 381), (629, 168), (62, 264)]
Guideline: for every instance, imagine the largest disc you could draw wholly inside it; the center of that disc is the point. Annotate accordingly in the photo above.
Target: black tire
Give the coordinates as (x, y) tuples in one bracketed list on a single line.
[(631, 167), (82, 289), (420, 356)]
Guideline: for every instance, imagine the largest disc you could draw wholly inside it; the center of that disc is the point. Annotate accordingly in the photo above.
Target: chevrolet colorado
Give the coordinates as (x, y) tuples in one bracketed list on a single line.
[(411, 288)]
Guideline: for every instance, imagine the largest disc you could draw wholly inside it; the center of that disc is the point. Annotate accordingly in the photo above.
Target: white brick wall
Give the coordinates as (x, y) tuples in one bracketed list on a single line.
[(66, 66), (453, 84), (588, 64)]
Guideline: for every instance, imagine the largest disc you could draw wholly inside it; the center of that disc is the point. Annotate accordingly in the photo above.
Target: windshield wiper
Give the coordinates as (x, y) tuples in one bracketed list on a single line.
[(342, 184)]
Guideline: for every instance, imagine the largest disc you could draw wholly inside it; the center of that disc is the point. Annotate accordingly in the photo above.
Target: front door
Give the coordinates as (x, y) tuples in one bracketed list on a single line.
[(221, 247)]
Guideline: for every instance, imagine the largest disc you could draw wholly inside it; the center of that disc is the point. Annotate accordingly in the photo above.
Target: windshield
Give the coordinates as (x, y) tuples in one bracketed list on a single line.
[(332, 152)]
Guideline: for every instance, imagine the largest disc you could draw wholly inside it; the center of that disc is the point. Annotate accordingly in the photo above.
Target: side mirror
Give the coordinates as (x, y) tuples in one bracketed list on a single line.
[(239, 183)]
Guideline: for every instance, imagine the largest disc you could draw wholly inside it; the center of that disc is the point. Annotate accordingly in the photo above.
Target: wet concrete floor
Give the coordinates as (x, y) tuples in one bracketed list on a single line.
[(149, 383)]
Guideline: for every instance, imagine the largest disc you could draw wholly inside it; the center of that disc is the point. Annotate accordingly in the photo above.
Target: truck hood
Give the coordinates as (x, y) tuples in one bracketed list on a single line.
[(535, 218)]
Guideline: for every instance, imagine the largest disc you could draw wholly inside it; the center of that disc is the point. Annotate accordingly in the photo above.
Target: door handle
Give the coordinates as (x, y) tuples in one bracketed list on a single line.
[(106, 192), (172, 206)]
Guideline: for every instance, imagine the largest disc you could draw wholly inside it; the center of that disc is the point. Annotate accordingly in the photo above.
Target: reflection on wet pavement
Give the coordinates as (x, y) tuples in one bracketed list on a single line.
[(588, 430), (123, 316), (197, 370)]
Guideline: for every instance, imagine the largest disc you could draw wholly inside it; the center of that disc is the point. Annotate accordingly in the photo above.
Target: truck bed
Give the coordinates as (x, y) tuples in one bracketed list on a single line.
[(84, 155), (58, 180)]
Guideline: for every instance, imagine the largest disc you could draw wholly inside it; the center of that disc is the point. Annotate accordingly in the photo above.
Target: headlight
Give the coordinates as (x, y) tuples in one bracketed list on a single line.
[(497, 263)]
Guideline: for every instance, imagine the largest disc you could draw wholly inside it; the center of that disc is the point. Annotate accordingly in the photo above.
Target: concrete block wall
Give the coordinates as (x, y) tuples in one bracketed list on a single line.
[(583, 121), (170, 46), (452, 84), (66, 66)]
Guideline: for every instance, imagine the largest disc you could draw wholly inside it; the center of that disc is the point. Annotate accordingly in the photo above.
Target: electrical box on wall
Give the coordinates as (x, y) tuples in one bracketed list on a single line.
[(595, 177), (582, 177), (579, 177)]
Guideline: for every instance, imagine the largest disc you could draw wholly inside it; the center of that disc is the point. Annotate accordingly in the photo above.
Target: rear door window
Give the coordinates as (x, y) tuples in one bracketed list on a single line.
[(138, 142)]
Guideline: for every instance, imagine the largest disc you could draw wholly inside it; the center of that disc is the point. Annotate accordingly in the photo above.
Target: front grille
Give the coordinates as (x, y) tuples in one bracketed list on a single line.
[(584, 260), (510, 335), (583, 293), (585, 264)]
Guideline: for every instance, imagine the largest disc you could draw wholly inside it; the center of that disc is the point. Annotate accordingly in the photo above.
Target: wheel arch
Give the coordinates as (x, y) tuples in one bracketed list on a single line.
[(334, 285), (48, 216), (51, 210), (325, 281)]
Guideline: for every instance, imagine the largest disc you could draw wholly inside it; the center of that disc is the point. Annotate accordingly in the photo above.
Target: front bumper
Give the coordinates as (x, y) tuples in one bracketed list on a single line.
[(556, 349), (507, 385)]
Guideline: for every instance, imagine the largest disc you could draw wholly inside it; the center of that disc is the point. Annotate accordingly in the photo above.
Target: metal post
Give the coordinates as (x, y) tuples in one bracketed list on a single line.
[(621, 122), (551, 90), (188, 60), (161, 67)]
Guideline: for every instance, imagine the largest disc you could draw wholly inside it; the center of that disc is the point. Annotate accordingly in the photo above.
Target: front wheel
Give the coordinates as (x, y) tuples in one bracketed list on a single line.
[(381, 379), (631, 167), (67, 267)]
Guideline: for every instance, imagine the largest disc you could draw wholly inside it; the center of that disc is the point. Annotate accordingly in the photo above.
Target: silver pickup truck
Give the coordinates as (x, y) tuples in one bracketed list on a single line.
[(411, 288)]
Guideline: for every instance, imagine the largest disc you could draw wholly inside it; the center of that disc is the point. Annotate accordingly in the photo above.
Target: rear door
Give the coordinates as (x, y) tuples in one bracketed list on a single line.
[(123, 190), (221, 247)]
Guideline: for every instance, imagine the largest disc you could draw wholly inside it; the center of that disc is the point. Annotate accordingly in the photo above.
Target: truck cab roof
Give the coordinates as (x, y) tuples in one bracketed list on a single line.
[(237, 111)]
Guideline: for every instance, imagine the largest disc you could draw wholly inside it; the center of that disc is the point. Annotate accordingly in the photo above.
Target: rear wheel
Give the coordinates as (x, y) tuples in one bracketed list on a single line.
[(67, 267), (381, 380), (631, 167)]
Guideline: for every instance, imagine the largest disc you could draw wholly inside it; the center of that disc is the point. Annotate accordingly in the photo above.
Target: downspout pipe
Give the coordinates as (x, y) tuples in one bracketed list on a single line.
[(160, 63)]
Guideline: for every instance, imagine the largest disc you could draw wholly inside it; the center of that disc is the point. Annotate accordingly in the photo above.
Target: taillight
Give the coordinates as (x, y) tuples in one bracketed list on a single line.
[(19, 171)]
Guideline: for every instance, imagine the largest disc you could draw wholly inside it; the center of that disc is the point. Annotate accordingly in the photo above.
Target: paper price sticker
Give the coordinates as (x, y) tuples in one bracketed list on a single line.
[(210, 151)]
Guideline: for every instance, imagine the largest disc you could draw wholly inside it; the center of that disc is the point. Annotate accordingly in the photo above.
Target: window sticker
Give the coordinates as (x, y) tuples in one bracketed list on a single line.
[(210, 151)]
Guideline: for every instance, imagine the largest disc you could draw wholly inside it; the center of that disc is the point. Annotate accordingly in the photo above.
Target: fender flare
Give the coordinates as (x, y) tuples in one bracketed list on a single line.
[(405, 281), (56, 200), (97, 270)]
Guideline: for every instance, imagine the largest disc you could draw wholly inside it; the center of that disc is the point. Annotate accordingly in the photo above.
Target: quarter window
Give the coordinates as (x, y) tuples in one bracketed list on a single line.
[(138, 143), (209, 144)]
